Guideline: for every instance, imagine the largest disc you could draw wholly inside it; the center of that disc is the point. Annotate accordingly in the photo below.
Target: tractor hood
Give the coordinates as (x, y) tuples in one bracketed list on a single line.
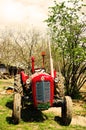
[(41, 76), (43, 90)]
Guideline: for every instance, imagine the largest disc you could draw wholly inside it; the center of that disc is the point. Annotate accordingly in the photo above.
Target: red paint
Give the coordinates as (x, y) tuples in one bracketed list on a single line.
[(24, 76), (54, 73), (36, 78)]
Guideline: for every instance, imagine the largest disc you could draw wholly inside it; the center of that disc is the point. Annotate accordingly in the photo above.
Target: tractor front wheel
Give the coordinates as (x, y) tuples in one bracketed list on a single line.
[(66, 111), (16, 108)]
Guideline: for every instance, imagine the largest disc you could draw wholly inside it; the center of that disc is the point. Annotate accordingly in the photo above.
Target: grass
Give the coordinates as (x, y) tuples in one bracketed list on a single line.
[(81, 108), (84, 106), (5, 83), (81, 112), (31, 118)]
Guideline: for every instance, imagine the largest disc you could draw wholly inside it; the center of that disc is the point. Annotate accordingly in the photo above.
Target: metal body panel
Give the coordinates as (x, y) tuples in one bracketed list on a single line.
[(42, 89)]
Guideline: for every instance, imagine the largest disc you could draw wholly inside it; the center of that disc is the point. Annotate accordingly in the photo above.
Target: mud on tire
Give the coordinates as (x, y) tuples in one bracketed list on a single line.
[(16, 114), (17, 84)]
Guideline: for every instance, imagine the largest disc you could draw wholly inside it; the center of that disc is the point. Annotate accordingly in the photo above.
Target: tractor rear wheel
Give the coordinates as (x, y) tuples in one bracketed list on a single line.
[(17, 84), (16, 108), (66, 111)]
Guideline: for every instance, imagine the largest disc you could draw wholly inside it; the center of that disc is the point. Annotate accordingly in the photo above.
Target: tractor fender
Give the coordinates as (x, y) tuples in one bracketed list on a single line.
[(24, 77)]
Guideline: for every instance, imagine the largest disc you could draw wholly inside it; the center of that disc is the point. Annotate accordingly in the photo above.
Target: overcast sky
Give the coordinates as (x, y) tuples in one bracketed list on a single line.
[(24, 12)]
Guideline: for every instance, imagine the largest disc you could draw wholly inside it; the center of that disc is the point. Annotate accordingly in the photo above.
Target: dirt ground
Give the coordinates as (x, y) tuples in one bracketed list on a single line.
[(78, 119), (79, 112)]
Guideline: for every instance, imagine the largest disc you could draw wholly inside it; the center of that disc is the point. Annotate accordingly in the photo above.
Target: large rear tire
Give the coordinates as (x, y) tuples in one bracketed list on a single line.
[(16, 108), (66, 111), (17, 84)]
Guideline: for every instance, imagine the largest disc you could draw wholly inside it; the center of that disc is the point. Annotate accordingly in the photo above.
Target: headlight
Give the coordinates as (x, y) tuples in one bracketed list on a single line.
[(56, 80), (28, 81)]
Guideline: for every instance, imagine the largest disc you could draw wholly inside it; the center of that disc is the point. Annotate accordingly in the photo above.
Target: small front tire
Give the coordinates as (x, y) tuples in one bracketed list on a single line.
[(66, 111), (16, 108)]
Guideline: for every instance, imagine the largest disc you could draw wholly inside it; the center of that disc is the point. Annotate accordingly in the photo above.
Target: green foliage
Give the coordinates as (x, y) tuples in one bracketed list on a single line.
[(67, 33)]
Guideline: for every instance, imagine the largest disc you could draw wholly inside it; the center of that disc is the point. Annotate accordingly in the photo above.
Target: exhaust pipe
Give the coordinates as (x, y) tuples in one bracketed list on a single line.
[(33, 59), (51, 61), (43, 55)]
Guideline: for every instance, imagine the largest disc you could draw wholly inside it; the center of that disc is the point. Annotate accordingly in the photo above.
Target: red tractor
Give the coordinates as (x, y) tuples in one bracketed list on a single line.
[(43, 90)]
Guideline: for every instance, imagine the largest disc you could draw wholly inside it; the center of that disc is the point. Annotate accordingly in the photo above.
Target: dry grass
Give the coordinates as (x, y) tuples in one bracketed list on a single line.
[(36, 120)]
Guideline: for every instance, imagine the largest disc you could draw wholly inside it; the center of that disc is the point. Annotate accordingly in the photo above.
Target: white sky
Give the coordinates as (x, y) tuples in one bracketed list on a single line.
[(24, 12), (15, 12)]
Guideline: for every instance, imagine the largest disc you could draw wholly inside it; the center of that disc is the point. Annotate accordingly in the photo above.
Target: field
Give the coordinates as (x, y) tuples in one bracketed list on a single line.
[(37, 120)]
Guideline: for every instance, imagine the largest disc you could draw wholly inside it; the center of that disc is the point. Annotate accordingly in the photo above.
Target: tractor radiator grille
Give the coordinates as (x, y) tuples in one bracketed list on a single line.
[(43, 91)]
